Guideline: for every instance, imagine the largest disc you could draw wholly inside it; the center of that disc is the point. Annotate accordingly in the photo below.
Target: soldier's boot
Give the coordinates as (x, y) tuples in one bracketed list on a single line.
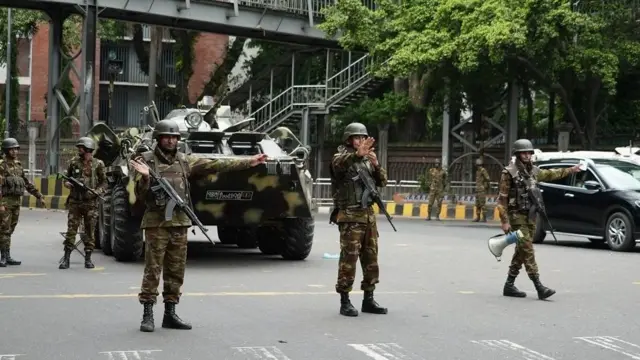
[(3, 258), (346, 308), (477, 218), (65, 260), (369, 304), (428, 215), (171, 320), (484, 216), (510, 288), (543, 291), (87, 260), (10, 260), (147, 324)]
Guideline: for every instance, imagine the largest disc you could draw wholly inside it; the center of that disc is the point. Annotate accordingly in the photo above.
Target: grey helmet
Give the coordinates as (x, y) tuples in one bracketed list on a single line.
[(86, 142), (354, 129), (10, 143), (522, 145), (166, 127)]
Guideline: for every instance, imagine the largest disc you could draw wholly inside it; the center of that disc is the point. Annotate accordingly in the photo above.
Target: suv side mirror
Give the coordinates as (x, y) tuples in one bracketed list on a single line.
[(592, 185)]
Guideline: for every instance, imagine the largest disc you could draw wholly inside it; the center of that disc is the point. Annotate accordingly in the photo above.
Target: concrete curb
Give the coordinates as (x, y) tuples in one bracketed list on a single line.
[(420, 211)]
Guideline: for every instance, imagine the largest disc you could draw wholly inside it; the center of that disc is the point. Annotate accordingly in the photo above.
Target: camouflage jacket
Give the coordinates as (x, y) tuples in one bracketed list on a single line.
[(345, 191), (178, 169), (482, 181), (508, 203), (438, 179), (14, 183), (92, 173)]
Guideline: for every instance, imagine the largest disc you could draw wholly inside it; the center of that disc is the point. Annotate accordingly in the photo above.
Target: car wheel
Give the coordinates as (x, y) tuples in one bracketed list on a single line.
[(619, 232)]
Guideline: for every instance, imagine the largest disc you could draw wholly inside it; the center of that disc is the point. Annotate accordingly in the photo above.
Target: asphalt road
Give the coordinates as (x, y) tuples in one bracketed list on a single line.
[(442, 287)]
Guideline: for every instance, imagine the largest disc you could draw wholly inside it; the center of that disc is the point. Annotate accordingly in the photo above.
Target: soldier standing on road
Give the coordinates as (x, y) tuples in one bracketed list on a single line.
[(358, 229), (14, 183), (514, 203), (436, 190), (83, 205), (166, 241), (482, 188)]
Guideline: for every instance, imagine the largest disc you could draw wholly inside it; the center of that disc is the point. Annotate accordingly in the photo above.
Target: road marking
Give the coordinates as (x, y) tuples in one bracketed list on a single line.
[(10, 276), (129, 354), (9, 356), (507, 345), (97, 268), (614, 344), (262, 352), (466, 292), (383, 351), (194, 294)]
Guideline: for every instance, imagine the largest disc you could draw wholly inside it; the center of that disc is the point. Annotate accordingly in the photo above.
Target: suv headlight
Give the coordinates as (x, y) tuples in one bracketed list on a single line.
[(194, 120)]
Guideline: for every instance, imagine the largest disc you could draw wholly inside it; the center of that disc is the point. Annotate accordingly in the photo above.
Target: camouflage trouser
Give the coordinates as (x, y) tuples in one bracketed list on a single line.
[(358, 241), (435, 197), (8, 221), (524, 248), (481, 203), (86, 212), (166, 253)]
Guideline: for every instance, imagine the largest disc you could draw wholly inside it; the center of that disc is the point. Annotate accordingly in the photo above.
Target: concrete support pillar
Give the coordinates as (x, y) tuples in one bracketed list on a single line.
[(89, 39), (320, 134), (382, 146), (304, 128), (53, 106), (511, 133)]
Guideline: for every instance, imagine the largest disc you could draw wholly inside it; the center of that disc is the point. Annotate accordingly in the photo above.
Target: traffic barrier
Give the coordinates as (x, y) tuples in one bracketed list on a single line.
[(55, 195), (420, 210)]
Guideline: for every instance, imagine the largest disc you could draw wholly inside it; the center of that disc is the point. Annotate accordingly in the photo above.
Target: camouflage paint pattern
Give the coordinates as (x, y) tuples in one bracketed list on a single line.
[(87, 214), (166, 253), (482, 188), (12, 170), (436, 189), (92, 173), (358, 241)]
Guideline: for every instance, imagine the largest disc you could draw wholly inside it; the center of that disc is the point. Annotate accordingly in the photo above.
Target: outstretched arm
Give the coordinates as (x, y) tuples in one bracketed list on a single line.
[(31, 189), (201, 167), (503, 197), (342, 161), (557, 173)]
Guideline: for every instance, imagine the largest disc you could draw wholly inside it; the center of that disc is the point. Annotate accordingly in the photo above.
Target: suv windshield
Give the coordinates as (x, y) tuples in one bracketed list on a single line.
[(620, 174)]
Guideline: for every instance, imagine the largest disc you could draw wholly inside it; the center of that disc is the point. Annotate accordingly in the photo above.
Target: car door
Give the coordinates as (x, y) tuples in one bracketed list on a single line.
[(585, 207), (553, 193)]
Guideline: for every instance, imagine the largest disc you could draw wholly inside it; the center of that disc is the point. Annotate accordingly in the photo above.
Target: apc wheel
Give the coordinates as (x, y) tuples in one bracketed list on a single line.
[(245, 238), (619, 232), (298, 238), (539, 233), (126, 235), (270, 240), (105, 225)]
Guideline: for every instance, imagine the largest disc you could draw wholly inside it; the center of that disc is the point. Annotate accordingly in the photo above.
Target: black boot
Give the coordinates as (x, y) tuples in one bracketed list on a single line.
[(346, 308), (543, 291), (511, 290), (171, 320), (484, 216), (3, 258), (87, 260), (10, 260), (65, 260), (147, 324), (477, 219), (369, 305)]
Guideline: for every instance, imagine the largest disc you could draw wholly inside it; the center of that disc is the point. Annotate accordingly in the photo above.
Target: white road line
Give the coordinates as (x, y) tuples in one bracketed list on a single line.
[(10, 356), (614, 344), (384, 351), (262, 352), (129, 354), (507, 345)]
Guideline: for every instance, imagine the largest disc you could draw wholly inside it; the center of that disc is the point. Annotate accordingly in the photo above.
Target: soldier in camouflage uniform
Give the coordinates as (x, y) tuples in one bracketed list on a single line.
[(482, 188), (514, 204), (82, 204), (13, 184), (357, 225), (166, 241), (436, 190)]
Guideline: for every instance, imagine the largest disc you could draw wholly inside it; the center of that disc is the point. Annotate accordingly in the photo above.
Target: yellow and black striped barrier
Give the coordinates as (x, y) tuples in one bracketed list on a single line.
[(55, 195), (447, 212)]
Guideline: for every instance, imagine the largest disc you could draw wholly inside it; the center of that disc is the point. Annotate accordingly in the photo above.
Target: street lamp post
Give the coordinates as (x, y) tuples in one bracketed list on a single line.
[(114, 68)]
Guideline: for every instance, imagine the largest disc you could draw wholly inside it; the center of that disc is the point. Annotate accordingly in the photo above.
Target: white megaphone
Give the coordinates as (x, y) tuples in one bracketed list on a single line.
[(499, 242)]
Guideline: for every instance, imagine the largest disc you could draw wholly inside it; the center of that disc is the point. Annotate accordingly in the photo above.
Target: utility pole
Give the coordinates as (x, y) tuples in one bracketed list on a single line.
[(7, 84)]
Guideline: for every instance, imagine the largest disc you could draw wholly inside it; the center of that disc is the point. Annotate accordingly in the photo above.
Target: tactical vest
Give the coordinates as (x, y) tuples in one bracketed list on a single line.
[(519, 200), (176, 174), (13, 184), (347, 192), (78, 172)]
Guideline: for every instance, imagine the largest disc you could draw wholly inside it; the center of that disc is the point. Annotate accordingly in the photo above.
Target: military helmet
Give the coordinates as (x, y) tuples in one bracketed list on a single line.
[(86, 142), (522, 145), (354, 129), (10, 143), (166, 127), (479, 162)]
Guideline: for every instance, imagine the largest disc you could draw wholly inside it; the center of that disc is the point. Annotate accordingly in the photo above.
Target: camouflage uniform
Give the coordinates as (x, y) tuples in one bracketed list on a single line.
[(82, 205), (436, 190), (357, 225), (513, 206), (14, 183), (166, 241), (482, 188)]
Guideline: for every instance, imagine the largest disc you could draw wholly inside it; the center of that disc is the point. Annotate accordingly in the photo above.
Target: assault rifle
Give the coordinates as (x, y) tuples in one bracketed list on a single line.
[(370, 192), (162, 187), (535, 195), (78, 185)]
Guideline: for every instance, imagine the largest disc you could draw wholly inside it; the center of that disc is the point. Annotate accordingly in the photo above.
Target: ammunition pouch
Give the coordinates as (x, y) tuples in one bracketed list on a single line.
[(13, 186)]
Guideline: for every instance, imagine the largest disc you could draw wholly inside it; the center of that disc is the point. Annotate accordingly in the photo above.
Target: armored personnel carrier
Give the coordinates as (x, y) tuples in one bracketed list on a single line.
[(268, 207)]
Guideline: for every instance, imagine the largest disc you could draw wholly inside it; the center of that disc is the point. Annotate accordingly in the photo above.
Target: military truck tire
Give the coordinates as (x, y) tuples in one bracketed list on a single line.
[(298, 238), (244, 238), (270, 240), (126, 235), (105, 228)]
